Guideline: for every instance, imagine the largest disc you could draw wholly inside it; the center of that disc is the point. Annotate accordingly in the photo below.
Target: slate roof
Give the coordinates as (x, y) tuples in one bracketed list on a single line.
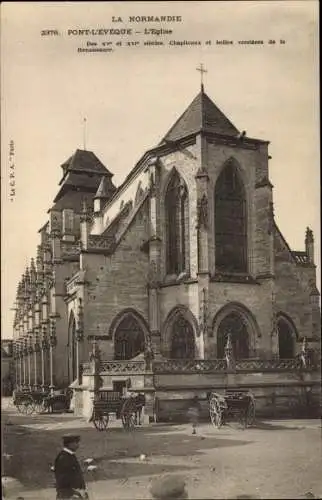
[(74, 200), (4, 354), (76, 184), (85, 161), (105, 189), (201, 114), (79, 179)]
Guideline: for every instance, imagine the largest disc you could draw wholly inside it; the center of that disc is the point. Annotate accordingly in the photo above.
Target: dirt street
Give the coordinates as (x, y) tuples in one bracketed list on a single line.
[(273, 459)]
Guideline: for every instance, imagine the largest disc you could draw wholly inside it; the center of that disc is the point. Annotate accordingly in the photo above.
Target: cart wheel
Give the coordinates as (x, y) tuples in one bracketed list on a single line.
[(28, 406), (128, 415), (215, 412), (101, 421), (250, 414), (39, 407), (19, 407), (11, 404)]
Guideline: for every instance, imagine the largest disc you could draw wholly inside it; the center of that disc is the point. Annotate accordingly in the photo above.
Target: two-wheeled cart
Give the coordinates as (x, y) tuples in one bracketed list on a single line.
[(110, 402), (28, 401), (232, 405), (32, 401)]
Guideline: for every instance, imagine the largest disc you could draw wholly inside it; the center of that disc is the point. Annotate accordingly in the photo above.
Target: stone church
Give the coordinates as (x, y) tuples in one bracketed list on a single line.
[(184, 253)]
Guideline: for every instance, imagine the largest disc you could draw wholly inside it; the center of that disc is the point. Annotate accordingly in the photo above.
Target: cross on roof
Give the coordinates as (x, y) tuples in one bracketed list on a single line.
[(202, 71), (84, 133)]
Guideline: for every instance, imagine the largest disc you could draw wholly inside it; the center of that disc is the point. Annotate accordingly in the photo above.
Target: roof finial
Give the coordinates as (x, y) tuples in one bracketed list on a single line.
[(202, 70), (84, 132)]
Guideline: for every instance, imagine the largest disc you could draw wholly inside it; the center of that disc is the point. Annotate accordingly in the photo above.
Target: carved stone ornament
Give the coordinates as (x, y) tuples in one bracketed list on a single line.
[(270, 218), (153, 273), (152, 184), (274, 326), (229, 355), (203, 212), (148, 354)]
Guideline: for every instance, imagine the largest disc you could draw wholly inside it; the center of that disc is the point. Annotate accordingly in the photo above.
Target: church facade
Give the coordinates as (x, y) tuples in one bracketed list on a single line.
[(181, 256)]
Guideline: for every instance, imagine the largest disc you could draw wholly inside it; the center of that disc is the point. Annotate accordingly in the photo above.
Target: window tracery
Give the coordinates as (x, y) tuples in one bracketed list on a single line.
[(286, 344), (235, 325), (182, 339), (129, 339), (177, 225), (230, 222)]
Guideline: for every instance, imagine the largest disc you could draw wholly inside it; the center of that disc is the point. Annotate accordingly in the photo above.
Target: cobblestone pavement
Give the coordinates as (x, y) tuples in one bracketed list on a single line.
[(273, 459)]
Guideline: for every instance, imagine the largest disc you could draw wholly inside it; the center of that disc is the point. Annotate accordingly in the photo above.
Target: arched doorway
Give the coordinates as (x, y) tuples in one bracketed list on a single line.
[(286, 342), (72, 356), (182, 339), (129, 338), (235, 324)]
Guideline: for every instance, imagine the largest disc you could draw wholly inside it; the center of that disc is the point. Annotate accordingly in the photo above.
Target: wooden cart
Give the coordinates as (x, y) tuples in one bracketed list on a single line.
[(28, 402), (125, 408), (233, 405)]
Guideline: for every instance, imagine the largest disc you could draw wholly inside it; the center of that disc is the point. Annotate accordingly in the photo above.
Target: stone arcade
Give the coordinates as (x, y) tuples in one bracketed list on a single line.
[(183, 253)]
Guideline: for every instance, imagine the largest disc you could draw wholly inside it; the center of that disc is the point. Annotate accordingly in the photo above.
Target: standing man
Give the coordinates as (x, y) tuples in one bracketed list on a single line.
[(68, 473), (194, 414)]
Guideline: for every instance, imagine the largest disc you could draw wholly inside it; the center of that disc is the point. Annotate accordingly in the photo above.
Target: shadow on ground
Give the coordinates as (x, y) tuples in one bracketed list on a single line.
[(258, 424), (29, 453)]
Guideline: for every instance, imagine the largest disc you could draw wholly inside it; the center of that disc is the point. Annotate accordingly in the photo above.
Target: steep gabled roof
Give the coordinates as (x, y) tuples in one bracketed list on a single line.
[(201, 115), (83, 172), (4, 353), (85, 161), (105, 189), (73, 200)]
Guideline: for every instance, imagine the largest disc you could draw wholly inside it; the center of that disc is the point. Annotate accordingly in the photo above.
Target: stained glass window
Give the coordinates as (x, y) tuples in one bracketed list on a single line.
[(129, 338), (182, 342), (177, 224), (230, 222), (285, 340), (234, 324)]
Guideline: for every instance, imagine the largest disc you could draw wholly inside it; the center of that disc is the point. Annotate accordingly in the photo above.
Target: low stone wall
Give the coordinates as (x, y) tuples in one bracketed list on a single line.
[(280, 387), (271, 401), (279, 390)]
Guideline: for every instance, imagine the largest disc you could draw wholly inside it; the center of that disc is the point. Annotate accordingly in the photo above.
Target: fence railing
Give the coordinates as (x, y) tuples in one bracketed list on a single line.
[(190, 365), (241, 365), (173, 366), (70, 248), (117, 367)]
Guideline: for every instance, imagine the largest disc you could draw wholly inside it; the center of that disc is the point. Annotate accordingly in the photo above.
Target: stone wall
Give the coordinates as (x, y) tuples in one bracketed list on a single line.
[(116, 283), (276, 394), (280, 387), (293, 285), (63, 271)]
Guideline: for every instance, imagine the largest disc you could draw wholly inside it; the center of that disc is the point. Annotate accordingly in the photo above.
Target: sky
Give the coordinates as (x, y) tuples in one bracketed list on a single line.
[(133, 95)]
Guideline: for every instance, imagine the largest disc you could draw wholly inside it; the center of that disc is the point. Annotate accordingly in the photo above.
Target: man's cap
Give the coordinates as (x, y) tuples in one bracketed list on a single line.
[(168, 487), (70, 438)]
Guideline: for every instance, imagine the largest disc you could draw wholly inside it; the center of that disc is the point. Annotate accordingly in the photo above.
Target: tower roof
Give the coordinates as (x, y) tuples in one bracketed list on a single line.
[(104, 189), (85, 161), (83, 172), (201, 115)]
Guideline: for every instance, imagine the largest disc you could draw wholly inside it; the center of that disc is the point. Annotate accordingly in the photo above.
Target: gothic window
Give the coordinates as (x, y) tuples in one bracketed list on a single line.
[(72, 356), (285, 340), (234, 324), (230, 222), (182, 340), (128, 339), (177, 223)]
